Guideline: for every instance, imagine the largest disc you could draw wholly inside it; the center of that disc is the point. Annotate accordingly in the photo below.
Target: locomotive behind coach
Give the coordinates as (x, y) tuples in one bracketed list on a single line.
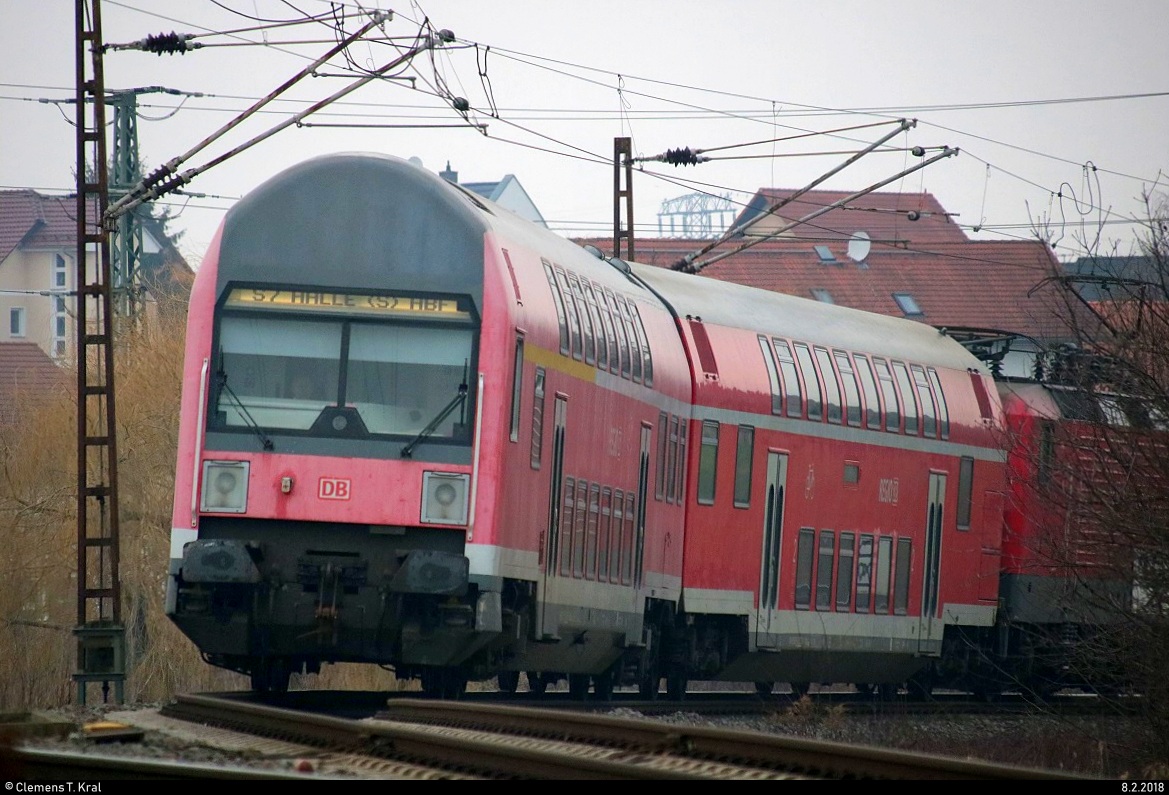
[(420, 432)]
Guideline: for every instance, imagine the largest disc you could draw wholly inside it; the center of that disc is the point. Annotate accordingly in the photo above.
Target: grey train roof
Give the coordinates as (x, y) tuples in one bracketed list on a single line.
[(736, 306)]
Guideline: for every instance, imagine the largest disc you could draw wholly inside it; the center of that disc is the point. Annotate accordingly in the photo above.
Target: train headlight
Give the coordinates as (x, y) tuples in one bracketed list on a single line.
[(225, 487), (444, 498)]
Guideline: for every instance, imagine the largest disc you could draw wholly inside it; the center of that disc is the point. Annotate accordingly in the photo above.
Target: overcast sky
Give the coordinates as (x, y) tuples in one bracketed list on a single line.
[(1060, 109)]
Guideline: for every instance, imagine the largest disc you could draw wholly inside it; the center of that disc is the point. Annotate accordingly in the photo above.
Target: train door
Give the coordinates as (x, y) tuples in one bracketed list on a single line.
[(769, 568), (931, 626), (642, 488), (548, 618)]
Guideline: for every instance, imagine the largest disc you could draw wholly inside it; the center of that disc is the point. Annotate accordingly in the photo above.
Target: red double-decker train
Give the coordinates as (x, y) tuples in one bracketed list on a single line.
[(421, 432)]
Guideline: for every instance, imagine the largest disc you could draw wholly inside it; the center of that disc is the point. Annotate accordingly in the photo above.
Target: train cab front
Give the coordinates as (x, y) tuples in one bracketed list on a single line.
[(331, 484)]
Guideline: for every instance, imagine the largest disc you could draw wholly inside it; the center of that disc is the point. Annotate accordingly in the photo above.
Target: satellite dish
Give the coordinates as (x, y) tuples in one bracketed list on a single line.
[(858, 246)]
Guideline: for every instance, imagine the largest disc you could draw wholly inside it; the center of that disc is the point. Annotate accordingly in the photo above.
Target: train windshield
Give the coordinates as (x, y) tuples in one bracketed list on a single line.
[(285, 374)]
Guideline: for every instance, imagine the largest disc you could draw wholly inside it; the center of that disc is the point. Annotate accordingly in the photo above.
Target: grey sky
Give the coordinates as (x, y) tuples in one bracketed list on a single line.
[(569, 77)]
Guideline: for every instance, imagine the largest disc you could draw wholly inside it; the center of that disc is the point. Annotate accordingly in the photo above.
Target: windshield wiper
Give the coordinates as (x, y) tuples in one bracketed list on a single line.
[(243, 411), (456, 401)]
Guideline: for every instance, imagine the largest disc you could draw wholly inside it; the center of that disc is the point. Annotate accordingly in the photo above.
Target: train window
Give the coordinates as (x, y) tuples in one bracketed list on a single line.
[(805, 553), (884, 571), (285, 388), (622, 334), (844, 574), (587, 331), (636, 344), (901, 576), (792, 396), (558, 300), (598, 324), (889, 394), (943, 411), (824, 561), (672, 461), (517, 385), (864, 573), (566, 516), (647, 369), (573, 313), (743, 460), (1046, 451), (660, 482), (680, 469), (702, 343), (808, 379), (604, 539), (610, 325), (852, 395), (929, 420), (831, 388), (852, 473), (910, 402), (538, 418), (772, 376), (708, 462), (627, 540), (400, 377), (869, 387), (591, 541), (965, 491), (1113, 414), (615, 546), (578, 527), (981, 396)]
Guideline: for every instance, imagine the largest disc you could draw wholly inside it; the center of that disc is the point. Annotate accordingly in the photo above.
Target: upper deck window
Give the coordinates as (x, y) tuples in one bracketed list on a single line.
[(810, 381)]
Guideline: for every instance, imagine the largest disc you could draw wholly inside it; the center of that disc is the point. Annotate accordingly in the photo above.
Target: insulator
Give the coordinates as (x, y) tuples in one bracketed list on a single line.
[(681, 157), (460, 104), (168, 43), (445, 35), (913, 215), (917, 151)]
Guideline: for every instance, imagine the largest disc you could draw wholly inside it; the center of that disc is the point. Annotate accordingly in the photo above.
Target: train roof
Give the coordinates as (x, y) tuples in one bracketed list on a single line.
[(736, 306), (351, 218)]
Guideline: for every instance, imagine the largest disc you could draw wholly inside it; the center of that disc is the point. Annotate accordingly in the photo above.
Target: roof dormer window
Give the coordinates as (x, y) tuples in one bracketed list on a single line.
[(908, 305), (825, 254)]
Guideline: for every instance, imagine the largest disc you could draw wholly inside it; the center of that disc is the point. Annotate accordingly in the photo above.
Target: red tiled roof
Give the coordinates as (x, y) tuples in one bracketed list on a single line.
[(911, 219), (20, 213), (29, 218), (25, 370), (995, 284)]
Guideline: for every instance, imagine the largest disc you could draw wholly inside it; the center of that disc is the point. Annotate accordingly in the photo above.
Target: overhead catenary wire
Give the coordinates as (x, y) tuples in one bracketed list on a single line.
[(686, 263), (154, 185), (551, 138), (689, 268)]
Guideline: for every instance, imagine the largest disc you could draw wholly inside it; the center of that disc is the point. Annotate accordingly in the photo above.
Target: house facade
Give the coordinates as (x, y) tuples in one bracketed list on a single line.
[(38, 269)]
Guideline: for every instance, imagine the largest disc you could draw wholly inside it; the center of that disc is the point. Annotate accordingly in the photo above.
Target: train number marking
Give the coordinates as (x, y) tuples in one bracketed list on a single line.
[(614, 447), (887, 490), (334, 489)]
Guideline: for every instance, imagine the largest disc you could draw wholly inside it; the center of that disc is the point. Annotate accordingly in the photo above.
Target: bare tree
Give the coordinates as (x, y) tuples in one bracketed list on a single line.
[(1094, 476)]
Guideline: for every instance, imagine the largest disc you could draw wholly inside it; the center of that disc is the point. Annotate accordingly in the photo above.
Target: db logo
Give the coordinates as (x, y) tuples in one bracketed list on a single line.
[(333, 489)]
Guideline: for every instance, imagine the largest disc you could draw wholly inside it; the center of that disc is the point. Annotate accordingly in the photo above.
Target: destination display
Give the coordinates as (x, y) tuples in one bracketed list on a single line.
[(347, 303)]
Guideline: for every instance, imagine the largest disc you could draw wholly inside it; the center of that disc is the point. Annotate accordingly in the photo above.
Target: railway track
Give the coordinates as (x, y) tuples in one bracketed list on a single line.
[(468, 739), (842, 703)]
